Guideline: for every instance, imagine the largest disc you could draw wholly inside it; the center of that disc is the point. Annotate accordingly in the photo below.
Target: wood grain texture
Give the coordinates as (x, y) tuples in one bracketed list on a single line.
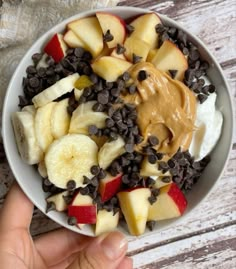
[(206, 238)]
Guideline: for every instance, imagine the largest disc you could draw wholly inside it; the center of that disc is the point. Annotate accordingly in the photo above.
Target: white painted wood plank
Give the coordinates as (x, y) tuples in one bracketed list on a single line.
[(216, 249)]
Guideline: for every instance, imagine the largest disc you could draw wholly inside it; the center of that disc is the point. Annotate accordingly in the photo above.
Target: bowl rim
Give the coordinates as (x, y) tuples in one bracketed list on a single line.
[(86, 13)]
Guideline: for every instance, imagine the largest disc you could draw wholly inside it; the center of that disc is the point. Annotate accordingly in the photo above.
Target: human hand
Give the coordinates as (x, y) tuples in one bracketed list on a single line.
[(56, 250)]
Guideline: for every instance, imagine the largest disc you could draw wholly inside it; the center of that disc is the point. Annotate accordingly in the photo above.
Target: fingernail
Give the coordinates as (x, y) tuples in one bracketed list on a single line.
[(113, 245)]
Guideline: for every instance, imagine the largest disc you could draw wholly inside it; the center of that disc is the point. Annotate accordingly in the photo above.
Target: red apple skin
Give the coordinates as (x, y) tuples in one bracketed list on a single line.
[(54, 49), (119, 18), (85, 214), (109, 186), (176, 194)]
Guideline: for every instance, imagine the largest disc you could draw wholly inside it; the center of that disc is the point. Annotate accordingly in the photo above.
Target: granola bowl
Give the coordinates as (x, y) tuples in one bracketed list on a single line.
[(30, 180)]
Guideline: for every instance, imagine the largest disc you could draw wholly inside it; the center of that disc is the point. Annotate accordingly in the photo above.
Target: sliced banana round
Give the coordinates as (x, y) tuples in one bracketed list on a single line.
[(110, 151), (61, 87), (24, 129), (70, 158), (43, 125), (60, 119), (84, 116)]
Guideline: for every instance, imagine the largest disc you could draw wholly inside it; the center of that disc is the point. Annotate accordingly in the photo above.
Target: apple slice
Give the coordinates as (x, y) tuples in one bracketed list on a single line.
[(137, 46), (115, 25), (110, 68), (109, 186), (58, 201), (72, 40), (144, 28), (56, 47), (170, 203), (89, 32), (83, 209), (106, 221), (135, 206), (148, 169), (170, 57), (105, 52)]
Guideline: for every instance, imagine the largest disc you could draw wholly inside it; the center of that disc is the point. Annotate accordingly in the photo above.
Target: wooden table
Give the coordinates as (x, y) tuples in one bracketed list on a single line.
[(207, 237)]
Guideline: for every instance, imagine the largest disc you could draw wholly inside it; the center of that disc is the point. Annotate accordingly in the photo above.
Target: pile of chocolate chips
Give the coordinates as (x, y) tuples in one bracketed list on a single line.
[(37, 80), (197, 67)]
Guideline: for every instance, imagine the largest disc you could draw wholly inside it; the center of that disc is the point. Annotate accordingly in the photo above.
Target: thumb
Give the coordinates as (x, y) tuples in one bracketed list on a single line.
[(105, 252)]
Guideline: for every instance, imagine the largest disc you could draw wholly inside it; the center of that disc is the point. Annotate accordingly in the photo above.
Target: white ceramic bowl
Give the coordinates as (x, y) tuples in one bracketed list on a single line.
[(29, 179)]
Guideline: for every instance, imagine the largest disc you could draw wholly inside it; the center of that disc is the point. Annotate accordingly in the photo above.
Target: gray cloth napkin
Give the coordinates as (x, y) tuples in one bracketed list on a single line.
[(23, 21)]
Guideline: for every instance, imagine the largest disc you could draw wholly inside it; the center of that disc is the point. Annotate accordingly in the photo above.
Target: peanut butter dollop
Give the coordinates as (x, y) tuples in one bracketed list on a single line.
[(166, 108)]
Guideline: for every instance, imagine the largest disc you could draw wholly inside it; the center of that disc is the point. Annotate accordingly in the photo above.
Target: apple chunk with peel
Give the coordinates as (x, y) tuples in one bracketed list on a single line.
[(56, 47), (109, 186), (116, 55), (83, 209), (110, 68), (135, 206), (89, 32), (137, 46), (72, 40), (144, 28), (170, 203), (170, 57), (115, 25), (106, 221)]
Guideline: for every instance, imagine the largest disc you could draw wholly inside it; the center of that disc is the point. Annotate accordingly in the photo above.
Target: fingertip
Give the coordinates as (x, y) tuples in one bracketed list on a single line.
[(127, 263)]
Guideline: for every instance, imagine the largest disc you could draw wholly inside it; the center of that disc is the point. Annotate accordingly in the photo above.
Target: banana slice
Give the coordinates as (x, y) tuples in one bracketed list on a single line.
[(43, 125), (70, 158), (42, 169), (24, 129), (84, 116), (61, 87), (31, 109), (60, 119), (110, 151)]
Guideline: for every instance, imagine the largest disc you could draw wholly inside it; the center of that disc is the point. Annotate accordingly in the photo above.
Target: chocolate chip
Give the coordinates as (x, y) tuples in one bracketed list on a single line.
[(103, 98), (113, 136), (136, 58), (171, 163), (126, 76), (211, 88), (151, 225), (95, 169), (129, 148), (163, 166), (152, 199), (152, 159), (31, 70), (102, 174), (34, 82), (155, 192), (125, 179), (132, 89), (115, 92), (120, 49), (72, 221), (71, 184), (129, 28), (166, 179), (159, 155), (67, 198), (98, 107), (94, 181), (153, 140), (142, 75), (92, 129), (150, 181), (160, 28), (78, 52), (36, 57), (50, 206), (173, 72), (108, 36), (194, 54), (202, 98)]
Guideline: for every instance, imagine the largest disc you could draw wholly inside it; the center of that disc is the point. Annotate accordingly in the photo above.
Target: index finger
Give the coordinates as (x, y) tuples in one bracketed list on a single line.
[(17, 210)]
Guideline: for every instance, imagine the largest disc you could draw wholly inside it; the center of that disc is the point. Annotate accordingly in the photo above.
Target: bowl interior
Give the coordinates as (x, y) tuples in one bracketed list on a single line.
[(28, 177)]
